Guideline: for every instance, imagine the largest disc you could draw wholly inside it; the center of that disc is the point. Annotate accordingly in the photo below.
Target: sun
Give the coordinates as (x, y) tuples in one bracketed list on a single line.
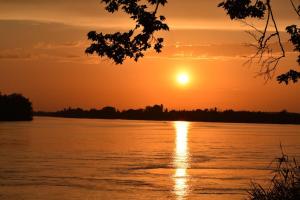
[(183, 78)]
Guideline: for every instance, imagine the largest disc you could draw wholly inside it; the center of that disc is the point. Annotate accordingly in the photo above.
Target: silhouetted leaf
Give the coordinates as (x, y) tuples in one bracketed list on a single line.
[(292, 75), (241, 9), (133, 43)]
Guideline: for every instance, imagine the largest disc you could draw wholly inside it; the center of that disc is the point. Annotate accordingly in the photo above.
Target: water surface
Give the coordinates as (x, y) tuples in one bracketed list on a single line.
[(56, 158)]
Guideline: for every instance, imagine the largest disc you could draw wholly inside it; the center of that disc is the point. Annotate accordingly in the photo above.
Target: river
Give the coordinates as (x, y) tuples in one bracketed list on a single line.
[(90, 159)]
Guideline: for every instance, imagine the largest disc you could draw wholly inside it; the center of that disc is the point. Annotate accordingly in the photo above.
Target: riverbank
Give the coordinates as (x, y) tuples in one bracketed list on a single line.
[(158, 113)]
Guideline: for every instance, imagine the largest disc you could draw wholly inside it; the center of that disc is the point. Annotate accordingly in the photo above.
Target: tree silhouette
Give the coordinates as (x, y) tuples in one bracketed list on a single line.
[(15, 107), (132, 44), (263, 10), (157, 112)]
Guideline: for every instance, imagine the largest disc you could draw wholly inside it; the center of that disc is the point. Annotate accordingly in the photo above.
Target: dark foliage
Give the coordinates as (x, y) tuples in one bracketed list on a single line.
[(242, 9), (285, 184), (294, 31), (157, 112), (133, 43), (292, 75), (15, 107)]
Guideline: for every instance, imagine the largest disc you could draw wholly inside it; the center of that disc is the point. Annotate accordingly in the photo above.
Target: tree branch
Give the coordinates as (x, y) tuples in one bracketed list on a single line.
[(295, 8)]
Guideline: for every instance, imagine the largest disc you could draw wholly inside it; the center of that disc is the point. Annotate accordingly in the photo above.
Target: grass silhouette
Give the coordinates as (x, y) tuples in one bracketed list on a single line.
[(285, 184)]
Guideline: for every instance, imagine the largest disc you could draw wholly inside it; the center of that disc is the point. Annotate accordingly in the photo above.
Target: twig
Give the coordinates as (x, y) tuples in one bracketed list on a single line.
[(294, 7)]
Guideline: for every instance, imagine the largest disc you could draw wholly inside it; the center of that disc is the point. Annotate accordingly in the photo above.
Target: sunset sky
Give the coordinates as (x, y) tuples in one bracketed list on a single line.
[(42, 56)]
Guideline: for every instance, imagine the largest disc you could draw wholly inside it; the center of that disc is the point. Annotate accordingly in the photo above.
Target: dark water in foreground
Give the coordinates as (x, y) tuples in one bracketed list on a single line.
[(55, 159)]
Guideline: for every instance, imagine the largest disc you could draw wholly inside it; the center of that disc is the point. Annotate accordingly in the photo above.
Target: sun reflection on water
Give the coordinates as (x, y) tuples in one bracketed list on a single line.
[(181, 160)]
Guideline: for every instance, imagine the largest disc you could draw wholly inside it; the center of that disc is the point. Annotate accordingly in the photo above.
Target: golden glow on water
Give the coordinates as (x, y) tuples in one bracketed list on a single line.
[(181, 160)]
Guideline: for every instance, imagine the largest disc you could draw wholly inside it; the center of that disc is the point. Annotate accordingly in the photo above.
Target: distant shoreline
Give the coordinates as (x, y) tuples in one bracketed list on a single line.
[(153, 120), (158, 113)]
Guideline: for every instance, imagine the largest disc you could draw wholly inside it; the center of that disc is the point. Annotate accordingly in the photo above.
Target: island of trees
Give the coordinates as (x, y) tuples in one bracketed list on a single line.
[(158, 112), (15, 107)]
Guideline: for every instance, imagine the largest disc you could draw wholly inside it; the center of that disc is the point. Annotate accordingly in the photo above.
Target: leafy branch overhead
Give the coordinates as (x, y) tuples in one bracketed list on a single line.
[(133, 43), (263, 10), (240, 9)]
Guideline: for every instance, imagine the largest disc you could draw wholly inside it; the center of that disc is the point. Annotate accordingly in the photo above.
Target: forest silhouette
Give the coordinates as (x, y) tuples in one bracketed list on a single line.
[(15, 107), (158, 112)]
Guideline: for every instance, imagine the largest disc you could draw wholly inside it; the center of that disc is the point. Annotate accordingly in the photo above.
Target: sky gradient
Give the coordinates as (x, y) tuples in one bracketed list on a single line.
[(42, 56)]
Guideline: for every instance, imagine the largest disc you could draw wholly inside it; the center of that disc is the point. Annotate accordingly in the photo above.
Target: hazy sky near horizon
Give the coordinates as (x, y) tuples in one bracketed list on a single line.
[(42, 56)]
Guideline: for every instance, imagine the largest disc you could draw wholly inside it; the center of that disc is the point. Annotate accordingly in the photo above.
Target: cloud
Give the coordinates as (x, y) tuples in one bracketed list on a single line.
[(63, 43), (71, 44), (74, 52), (188, 14), (213, 52), (15, 54)]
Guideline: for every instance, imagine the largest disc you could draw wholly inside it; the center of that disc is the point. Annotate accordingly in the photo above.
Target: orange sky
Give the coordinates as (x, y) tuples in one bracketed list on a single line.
[(42, 56)]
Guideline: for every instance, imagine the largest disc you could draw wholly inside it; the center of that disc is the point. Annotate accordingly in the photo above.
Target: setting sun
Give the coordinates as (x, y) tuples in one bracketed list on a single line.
[(183, 79), (150, 99)]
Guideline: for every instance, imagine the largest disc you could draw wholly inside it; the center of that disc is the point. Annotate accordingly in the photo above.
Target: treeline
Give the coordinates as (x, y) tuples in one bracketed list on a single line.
[(157, 112), (15, 107)]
